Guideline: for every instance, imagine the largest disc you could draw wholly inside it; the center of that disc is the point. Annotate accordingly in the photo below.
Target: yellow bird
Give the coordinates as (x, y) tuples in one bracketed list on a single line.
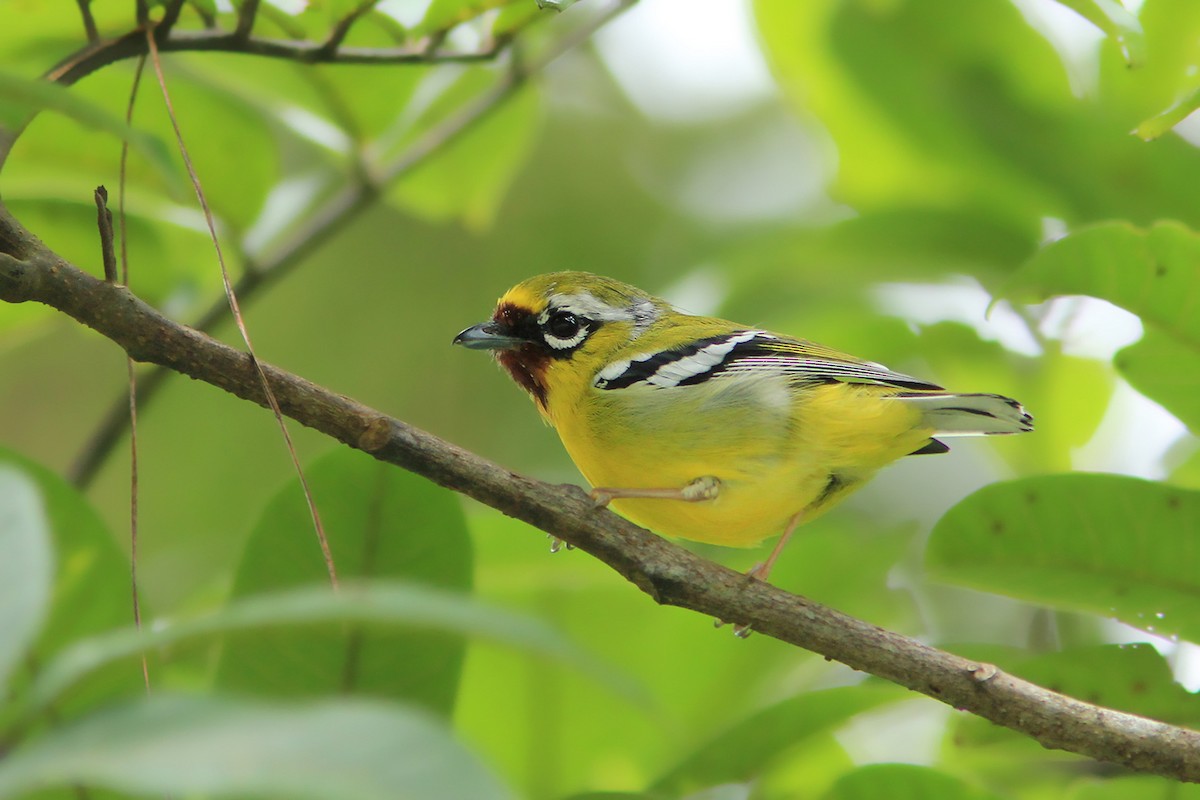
[(703, 429)]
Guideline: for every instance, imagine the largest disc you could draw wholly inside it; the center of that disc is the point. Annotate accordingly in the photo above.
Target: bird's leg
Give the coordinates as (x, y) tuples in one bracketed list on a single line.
[(705, 487), (761, 571)]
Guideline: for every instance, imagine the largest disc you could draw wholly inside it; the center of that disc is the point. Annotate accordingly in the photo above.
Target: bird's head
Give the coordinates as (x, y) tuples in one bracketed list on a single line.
[(562, 327)]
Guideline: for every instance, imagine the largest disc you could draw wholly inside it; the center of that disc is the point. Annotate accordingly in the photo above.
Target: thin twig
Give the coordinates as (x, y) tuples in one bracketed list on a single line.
[(104, 221), (239, 320), (329, 219), (342, 28), (89, 22), (169, 18), (245, 18), (667, 572)]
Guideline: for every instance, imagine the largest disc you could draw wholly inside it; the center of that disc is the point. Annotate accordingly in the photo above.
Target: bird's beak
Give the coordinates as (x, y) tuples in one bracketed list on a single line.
[(488, 336)]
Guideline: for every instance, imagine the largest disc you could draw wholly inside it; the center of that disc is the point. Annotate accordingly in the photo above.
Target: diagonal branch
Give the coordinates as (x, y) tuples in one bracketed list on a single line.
[(668, 573)]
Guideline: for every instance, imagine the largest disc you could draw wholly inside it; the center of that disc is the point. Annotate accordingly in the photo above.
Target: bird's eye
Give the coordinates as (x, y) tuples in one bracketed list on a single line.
[(562, 325)]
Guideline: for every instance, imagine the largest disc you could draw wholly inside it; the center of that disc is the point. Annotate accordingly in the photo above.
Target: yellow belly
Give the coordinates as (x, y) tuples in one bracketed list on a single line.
[(773, 462)]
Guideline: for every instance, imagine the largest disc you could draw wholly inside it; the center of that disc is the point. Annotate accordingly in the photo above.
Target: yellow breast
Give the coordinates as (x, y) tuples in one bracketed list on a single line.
[(775, 450)]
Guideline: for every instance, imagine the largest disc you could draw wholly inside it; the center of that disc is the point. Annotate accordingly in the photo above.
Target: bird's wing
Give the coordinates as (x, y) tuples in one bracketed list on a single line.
[(749, 353)]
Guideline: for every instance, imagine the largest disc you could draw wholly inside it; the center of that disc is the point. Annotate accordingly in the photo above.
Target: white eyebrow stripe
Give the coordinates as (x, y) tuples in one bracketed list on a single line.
[(587, 305)]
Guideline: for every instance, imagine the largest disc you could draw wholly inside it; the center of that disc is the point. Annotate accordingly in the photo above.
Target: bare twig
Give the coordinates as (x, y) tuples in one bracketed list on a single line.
[(131, 45), (668, 573), (240, 321), (89, 22), (104, 221), (327, 220), (342, 28), (245, 18)]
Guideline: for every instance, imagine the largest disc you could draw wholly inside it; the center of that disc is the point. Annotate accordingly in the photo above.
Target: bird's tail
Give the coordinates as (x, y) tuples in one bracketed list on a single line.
[(969, 414)]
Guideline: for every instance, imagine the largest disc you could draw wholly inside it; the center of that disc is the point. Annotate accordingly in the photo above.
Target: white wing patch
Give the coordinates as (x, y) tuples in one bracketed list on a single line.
[(675, 372)]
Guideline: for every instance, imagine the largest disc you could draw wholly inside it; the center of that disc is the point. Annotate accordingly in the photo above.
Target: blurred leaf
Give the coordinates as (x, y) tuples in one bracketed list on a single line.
[(190, 745), (903, 782), (1117, 23), (442, 15), (91, 591), (1146, 99), (467, 178), (382, 522), (1068, 396), (1159, 124), (233, 144), (908, 89), (21, 97), (926, 105), (26, 569), (1167, 371), (1134, 787), (1106, 544), (1185, 464), (1154, 273), (375, 607), (743, 750)]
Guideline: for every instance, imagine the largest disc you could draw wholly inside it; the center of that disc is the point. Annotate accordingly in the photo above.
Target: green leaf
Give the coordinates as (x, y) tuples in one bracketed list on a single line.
[(1135, 787), (743, 750), (1106, 544), (1156, 126), (371, 608), (190, 745), (22, 97), (1117, 23), (382, 522), (26, 567), (903, 782), (1154, 273), (91, 591), (1167, 371)]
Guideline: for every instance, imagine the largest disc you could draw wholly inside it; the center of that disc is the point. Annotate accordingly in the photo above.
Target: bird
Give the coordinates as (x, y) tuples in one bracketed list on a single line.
[(702, 429)]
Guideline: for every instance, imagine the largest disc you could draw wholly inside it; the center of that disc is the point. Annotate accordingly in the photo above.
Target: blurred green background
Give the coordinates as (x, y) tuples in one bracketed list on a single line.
[(893, 178)]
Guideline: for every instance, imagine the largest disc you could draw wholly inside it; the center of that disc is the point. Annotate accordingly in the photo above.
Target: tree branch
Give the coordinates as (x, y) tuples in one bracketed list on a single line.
[(668, 573), (84, 62)]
